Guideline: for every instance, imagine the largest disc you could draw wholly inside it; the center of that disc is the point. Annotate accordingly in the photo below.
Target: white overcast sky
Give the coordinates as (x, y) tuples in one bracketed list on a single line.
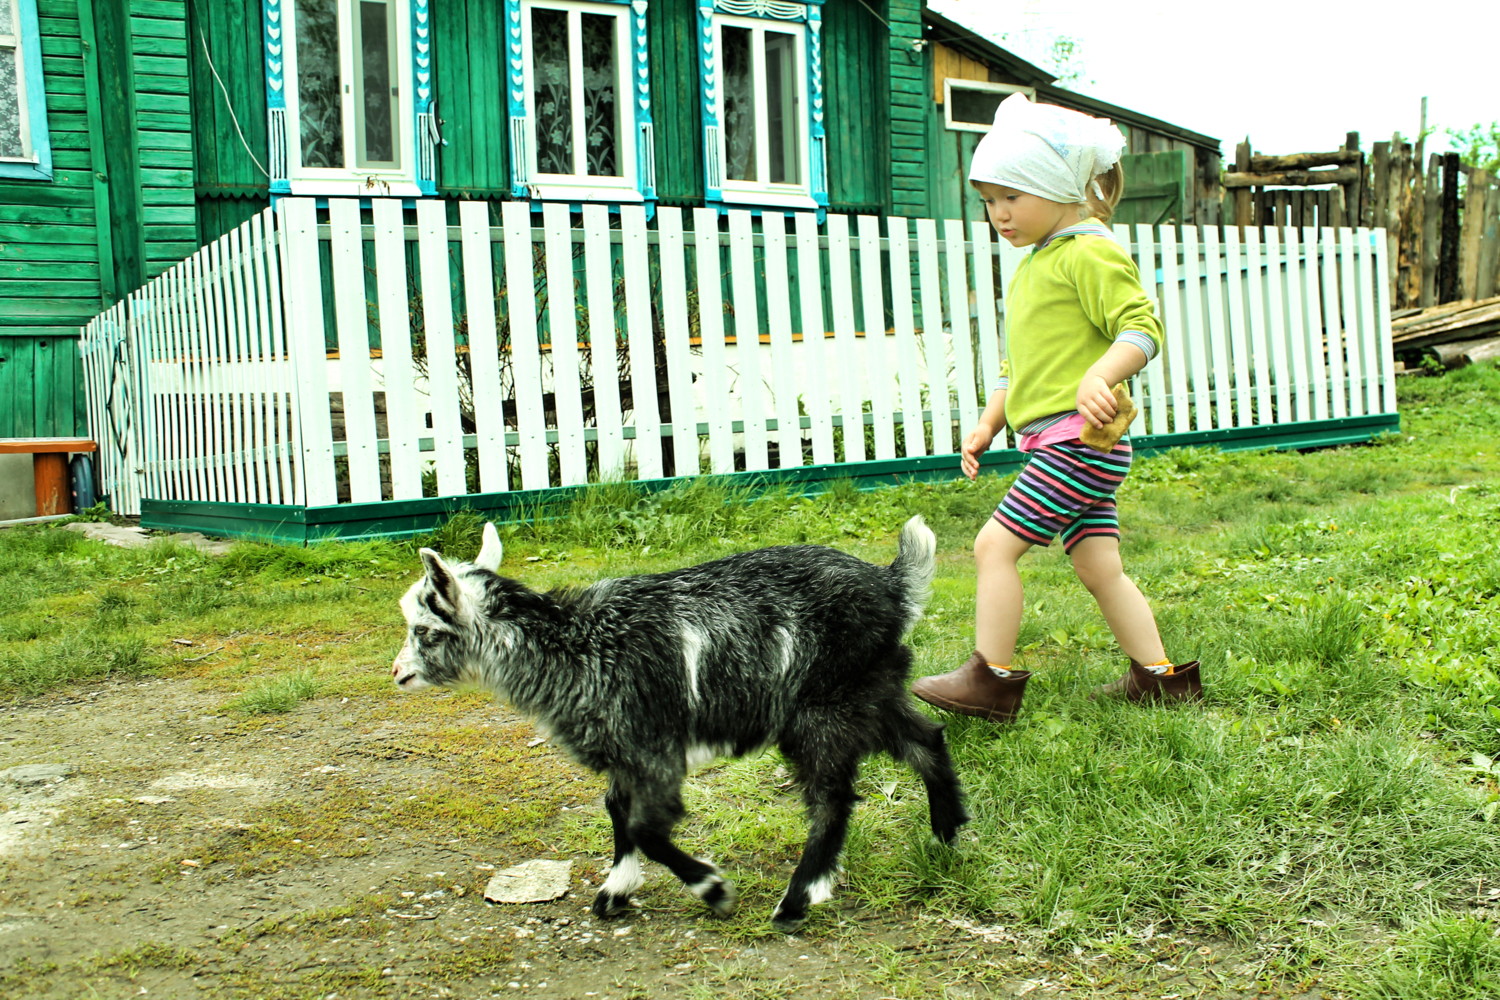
[(1294, 77)]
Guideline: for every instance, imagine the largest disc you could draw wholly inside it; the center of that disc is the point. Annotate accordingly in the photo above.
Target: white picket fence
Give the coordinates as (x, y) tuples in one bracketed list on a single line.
[(214, 381)]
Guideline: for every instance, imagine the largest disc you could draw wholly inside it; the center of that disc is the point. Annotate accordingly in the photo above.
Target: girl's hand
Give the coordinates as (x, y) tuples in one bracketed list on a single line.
[(1096, 401), (976, 443)]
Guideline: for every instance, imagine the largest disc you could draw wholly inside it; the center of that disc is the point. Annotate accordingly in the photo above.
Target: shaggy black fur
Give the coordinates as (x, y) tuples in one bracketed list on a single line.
[(643, 677)]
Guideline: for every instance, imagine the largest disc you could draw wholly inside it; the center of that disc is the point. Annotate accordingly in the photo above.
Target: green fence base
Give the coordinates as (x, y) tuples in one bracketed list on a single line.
[(298, 525)]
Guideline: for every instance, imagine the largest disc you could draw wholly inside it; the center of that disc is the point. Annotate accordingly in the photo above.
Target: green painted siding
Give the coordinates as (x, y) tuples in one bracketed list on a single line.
[(910, 108), (856, 92), (164, 142), (49, 239), (468, 56), (229, 186), (41, 382), (676, 104)]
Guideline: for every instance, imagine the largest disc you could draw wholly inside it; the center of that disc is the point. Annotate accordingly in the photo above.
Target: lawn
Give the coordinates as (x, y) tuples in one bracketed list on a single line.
[(1326, 823)]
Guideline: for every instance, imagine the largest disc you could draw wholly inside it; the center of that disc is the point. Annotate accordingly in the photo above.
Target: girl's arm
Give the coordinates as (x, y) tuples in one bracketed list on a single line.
[(978, 440), (1096, 400)]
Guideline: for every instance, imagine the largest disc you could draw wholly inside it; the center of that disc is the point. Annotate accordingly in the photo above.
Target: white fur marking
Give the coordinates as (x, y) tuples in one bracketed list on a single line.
[(625, 877), (785, 652), (699, 754), (693, 642), (703, 888), (821, 891)]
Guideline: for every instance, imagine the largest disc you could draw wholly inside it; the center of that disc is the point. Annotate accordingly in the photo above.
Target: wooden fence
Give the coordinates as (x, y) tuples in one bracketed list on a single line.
[(1441, 219), (743, 345)]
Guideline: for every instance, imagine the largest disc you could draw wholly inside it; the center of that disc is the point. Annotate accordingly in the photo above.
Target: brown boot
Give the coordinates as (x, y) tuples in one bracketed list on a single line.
[(1140, 684), (975, 689)]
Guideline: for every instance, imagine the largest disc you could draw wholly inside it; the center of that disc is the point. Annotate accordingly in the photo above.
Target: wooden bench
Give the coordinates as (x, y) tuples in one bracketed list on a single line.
[(49, 464)]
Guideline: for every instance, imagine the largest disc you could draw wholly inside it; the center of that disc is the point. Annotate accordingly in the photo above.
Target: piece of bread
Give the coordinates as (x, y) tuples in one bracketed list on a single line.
[(1105, 438)]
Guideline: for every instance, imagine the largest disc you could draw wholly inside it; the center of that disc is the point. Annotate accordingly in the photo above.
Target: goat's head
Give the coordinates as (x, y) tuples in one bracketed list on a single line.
[(440, 621)]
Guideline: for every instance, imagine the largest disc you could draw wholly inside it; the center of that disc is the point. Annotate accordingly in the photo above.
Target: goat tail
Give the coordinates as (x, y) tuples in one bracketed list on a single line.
[(914, 566)]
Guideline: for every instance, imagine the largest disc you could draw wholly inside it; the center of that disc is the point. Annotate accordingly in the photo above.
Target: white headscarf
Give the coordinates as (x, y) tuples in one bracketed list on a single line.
[(1045, 150)]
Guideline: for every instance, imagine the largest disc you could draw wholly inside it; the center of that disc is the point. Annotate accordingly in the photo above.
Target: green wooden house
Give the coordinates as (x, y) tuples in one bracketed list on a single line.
[(139, 130)]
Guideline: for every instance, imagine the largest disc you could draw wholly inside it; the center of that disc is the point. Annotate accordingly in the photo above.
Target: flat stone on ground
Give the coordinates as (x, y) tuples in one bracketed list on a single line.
[(36, 774), (531, 882), (135, 538)]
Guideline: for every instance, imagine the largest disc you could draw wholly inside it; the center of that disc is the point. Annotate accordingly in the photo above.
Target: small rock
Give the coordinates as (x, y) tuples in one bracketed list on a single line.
[(36, 774), (532, 882)]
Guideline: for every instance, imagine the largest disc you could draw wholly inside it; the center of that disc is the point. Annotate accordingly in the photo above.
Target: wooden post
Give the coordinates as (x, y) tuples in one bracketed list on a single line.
[(1473, 226), (54, 495), (1338, 210), (1242, 200), (1432, 211), (1489, 245), (1380, 172), (1354, 193), (1448, 260), (1416, 227), (1395, 208)]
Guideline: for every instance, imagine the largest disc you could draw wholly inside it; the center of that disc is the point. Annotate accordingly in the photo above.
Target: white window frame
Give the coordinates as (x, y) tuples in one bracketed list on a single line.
[(764, 192), (35, 161), (350, 179), (952, 83), (582, 186)]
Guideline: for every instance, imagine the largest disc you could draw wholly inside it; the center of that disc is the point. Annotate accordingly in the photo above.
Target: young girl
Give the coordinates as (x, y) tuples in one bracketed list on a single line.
[(1078, 323)]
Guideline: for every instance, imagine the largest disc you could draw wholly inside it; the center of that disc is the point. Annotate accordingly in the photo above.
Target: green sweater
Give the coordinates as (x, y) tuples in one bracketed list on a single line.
[(1069, 300)]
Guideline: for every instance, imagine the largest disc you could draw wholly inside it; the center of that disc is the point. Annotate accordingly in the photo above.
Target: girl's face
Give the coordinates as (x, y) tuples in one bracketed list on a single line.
[(1023, 219)]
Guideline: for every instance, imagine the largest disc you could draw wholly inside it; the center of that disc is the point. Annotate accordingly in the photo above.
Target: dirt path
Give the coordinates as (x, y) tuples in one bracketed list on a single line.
[(152, 845)]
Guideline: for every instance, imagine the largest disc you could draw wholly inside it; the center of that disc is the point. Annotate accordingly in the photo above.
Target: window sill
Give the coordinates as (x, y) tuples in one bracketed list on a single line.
[(356, 188), (583, 192), (24, 170), (768, 199)]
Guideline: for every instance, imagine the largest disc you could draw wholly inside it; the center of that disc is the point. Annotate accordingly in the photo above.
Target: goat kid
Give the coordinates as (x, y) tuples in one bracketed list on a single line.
[(644, 677)]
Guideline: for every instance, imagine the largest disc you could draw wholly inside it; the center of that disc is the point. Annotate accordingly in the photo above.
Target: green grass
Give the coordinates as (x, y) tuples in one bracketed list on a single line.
[(1341, 772)]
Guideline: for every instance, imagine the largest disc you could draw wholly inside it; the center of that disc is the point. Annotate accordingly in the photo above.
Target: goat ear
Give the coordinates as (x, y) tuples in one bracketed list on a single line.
[(441, 576), (492, 551)]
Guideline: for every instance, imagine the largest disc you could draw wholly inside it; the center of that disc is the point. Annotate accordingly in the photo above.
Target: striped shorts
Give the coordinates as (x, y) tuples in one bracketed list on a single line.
[(1066, 488)]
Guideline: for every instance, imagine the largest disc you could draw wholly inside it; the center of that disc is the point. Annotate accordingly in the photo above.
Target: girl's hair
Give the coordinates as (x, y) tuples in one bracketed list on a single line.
[(1112, 183)]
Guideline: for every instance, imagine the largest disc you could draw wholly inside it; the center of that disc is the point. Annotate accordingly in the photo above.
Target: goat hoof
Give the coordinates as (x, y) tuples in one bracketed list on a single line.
[(787, 920), (608, 904), (718, 892)]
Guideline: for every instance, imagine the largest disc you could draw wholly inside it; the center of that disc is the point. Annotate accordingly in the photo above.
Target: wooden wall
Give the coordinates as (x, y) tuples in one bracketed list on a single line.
[(51, 231), (911, 107), (41, 387), (228, 186)]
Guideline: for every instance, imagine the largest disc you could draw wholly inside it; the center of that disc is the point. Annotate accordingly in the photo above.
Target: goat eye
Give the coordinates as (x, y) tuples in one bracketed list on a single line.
[(419, 630)]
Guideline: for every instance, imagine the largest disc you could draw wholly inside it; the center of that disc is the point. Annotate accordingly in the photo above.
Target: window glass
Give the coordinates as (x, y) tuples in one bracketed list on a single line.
[(552, 91), (739, 105), (781, 107), (601, 123), (974, 106), (320, 113), (11, 143), (376, 99), (10, 102)]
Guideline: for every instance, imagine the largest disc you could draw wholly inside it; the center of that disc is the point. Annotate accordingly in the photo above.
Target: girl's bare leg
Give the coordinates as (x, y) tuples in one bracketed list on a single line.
[(997, 605), (1096, 560)]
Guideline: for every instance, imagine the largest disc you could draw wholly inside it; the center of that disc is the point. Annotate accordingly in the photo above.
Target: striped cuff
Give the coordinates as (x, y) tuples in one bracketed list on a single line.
[(1145, 343), (1001, 382)]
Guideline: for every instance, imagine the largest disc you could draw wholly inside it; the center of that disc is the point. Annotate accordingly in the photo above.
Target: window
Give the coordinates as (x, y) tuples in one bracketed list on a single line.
[(970, 105), (763, 103), (580, 119), (25, 147), (351, 104)]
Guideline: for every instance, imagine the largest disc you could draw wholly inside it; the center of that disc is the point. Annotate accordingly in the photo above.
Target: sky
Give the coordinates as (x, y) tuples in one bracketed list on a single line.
[(1293, 77)]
